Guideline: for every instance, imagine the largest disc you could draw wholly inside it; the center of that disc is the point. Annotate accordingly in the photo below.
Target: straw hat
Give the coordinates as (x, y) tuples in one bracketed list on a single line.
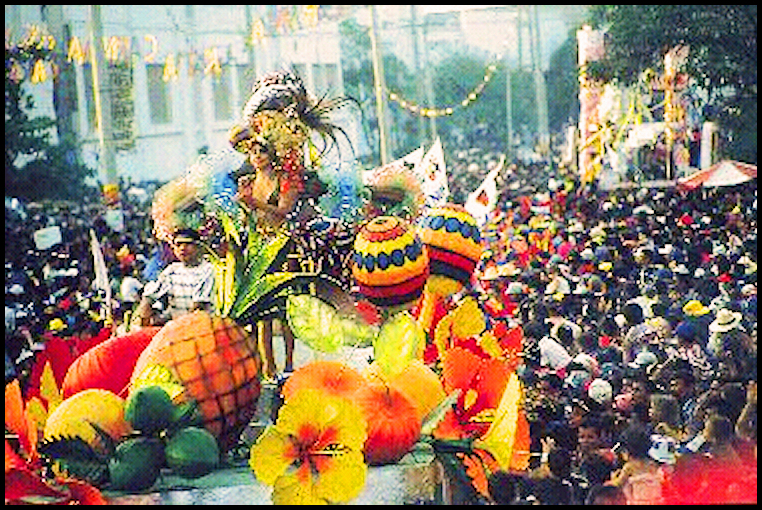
[(490, 273), (695, 308), (725, 321)]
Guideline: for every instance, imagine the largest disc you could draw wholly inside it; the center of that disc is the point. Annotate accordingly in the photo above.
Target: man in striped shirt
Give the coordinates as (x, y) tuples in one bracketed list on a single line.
[(183, 286)]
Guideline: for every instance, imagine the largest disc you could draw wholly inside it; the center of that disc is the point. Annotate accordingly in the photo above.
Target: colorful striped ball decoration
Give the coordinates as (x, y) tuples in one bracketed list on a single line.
[(390, 263), (452, 237)]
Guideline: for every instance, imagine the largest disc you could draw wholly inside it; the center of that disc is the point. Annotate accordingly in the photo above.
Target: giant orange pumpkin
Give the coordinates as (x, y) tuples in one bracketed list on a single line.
[(107, 365), (394, 425)]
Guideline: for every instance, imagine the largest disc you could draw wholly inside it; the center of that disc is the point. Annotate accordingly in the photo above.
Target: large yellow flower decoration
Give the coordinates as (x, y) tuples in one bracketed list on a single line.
[(314, 452)]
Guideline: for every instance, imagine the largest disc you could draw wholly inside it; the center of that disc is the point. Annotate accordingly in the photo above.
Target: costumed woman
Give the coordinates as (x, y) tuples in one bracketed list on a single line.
[(275, 133)]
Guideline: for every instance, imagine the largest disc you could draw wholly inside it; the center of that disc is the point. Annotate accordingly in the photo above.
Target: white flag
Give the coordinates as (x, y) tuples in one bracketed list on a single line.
[(483, 200), (101, 272), (432, 173), (371, 177)]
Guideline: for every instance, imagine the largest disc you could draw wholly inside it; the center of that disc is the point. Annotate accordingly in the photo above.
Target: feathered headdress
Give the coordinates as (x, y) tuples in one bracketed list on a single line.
[(280, 114)]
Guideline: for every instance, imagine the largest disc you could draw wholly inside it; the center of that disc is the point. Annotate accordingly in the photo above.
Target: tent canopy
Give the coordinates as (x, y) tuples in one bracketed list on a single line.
[(722, 173)]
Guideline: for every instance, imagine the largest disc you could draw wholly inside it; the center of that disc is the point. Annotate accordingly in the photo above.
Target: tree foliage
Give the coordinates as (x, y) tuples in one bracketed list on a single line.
[(36, 167), (563, 85), (722, 60)]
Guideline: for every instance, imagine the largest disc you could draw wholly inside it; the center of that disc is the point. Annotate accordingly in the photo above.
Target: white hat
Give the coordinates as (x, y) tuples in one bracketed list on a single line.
[(644, 359), (601, 391), (586, 361), (515, 288), (662, 449), (725, 321)]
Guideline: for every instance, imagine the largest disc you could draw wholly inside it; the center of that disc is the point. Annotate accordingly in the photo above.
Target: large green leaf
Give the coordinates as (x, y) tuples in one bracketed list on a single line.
[(77, 458), (257, 289), (322, 327), (314, 322), (228, 226), (261, 258), (400, 341)]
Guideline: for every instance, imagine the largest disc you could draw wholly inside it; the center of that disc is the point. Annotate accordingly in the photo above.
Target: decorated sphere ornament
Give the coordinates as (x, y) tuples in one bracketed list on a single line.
[(452, 237), (390, 263), (453, 241)]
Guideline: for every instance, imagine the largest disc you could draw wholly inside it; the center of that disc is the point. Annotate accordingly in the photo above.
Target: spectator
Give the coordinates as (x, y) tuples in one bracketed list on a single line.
[(555, 486), (605, 494), (593, 462), (185, 285), (731, 346), (640, 477), (129, 290), (700, 316)]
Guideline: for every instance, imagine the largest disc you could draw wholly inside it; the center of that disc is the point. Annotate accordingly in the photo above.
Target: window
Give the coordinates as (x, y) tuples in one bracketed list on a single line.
[(221, 84), (326, 78), (159, 95), (246, 79), (87, 74), (301, 71)]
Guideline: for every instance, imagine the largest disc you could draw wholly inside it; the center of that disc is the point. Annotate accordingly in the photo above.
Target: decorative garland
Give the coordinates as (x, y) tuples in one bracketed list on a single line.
[(425, 111)]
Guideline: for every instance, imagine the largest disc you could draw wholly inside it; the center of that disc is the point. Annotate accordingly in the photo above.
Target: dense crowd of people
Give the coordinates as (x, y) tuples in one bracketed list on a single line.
[(638, 311)]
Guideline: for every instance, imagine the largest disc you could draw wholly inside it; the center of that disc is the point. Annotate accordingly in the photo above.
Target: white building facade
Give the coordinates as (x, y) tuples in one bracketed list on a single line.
[(184, 72)]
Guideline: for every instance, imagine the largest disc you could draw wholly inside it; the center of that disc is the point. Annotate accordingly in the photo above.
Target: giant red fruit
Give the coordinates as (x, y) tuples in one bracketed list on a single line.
[(394, 424)]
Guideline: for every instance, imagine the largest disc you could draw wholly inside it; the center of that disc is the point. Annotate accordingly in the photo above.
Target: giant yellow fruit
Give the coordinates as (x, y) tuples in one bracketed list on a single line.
[(73, 416)]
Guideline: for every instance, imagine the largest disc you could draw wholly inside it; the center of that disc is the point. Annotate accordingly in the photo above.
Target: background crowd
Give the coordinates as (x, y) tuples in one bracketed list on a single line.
[(638, 309)]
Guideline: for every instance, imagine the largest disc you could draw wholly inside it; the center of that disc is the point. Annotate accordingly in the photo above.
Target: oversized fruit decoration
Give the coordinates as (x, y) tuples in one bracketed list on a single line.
[(136, 464), (192, 452), (149, 409), (453, 241), (109, 364), (452, 238), (211, 357), (419, 383), (334, 377), (390, 263), (394, 424), (76, 415)]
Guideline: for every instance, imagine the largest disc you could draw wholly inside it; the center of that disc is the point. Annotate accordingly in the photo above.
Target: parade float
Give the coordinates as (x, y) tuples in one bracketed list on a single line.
[(165, 414), (146, 414)]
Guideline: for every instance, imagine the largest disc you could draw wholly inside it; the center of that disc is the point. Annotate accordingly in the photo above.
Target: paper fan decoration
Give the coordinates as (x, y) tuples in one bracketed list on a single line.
[(175, 206), (395, 191)]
